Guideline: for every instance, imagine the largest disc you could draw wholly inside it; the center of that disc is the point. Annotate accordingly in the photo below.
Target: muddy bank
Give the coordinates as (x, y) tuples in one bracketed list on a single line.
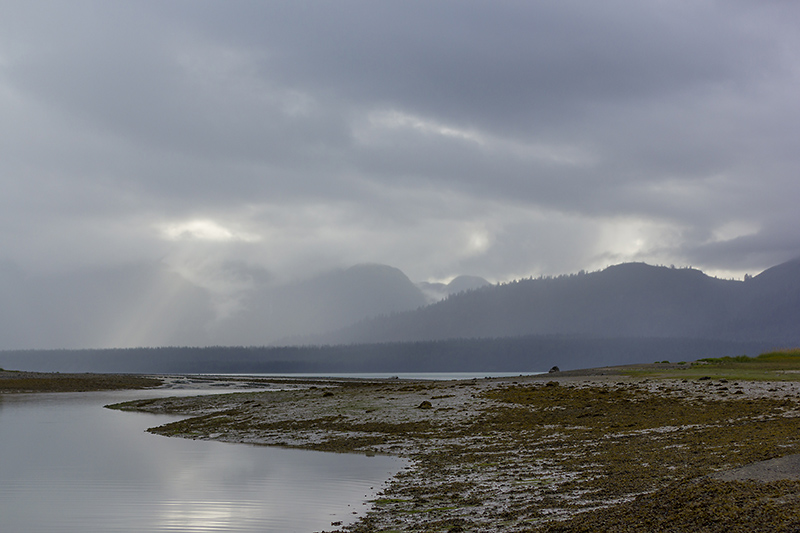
[(14, 382), (594, 451)]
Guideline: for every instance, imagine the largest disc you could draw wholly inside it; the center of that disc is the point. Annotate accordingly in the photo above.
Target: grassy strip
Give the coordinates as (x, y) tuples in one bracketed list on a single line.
[(781, 365)]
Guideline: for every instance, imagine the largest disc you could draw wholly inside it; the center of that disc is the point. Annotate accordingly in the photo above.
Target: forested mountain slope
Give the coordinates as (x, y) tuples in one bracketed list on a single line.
[(626, 300)]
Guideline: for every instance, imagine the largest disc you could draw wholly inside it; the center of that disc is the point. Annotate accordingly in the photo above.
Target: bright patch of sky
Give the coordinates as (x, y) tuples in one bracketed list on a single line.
[(203, 230)]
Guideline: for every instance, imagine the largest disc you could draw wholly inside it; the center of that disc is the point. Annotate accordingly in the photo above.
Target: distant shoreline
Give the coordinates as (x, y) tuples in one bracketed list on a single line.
[(534, 353)]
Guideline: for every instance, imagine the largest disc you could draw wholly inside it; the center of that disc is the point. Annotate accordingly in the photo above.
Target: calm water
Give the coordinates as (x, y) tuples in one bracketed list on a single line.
[(69, 465), (438, 376)]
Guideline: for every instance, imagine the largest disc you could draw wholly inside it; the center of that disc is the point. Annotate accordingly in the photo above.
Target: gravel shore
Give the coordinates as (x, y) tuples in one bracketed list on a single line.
[(594, 450)]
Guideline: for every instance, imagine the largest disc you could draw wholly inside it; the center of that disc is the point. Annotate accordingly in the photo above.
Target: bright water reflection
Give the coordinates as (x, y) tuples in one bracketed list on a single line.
[(69, 465), (436, 376)]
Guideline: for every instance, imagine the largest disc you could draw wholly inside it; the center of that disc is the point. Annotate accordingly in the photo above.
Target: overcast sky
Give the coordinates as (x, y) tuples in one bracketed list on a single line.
[(501, 139)]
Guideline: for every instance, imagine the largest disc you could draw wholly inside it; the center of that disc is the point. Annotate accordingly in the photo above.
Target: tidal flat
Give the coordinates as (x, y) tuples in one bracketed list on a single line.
[(603, 449), (13, 381)]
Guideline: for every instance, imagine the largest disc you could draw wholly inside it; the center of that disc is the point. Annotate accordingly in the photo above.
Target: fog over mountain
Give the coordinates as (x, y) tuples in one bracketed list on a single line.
[(278, 315), (151, 305), (439, 291)]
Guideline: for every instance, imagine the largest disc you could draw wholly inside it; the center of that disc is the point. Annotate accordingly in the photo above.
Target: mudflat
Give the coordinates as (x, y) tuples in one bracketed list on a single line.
[(16, 382), (614, 449)]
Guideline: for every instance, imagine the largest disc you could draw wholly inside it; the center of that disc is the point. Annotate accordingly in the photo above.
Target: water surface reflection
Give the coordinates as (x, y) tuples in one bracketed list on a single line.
[(69, 465)]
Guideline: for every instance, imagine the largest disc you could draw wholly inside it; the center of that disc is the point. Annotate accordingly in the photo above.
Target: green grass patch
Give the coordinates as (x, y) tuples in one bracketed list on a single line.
[(780, 365), (788, 357), (388, 501), (428, 510)]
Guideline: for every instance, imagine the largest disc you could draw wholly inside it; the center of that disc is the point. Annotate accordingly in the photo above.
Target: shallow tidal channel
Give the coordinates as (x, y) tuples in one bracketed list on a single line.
[(69, 465)]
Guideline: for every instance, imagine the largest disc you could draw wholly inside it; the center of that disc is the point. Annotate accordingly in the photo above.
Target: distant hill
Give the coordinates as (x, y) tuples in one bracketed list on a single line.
[(151, 305), (327, 302), (376, 320), (631, 300), (770, 307)]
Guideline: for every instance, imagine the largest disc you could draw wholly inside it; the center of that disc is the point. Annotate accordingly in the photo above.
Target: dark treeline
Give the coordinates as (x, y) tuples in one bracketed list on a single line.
[(515, 354)]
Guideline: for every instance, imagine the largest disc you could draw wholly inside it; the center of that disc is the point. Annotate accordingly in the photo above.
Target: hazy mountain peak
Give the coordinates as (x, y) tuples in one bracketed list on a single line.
[(376, 271), (466, 283), (435, 292), (329, 301)]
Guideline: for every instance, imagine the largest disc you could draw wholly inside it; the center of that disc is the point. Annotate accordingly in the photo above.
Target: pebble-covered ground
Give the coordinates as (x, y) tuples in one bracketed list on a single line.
[(602, 451)]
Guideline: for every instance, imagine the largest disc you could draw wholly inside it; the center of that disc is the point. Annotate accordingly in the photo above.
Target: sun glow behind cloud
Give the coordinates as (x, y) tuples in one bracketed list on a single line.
[(203, 230), (622, 239)]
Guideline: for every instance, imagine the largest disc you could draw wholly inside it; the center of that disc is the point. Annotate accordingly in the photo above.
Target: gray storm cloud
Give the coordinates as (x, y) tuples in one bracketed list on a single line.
[(496, 139)]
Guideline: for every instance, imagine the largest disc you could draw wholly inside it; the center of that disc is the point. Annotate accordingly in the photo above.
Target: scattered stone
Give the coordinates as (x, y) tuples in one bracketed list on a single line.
[(532, 456)]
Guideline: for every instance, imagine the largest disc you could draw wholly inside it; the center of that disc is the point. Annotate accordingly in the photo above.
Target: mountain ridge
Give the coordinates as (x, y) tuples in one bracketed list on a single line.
[(152, 305), (625, 300)]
